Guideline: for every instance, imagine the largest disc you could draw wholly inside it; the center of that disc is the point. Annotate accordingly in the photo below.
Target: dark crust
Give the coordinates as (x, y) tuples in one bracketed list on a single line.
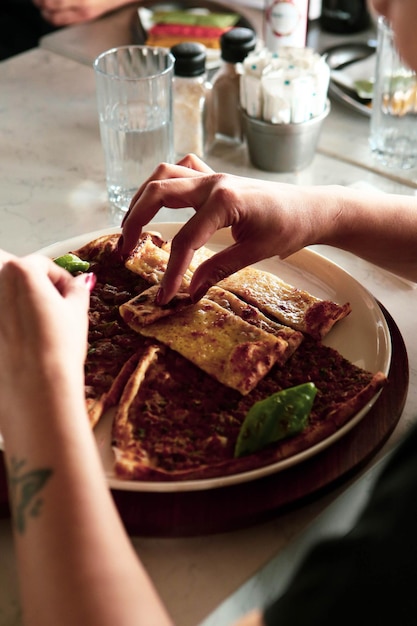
[(322, 316)]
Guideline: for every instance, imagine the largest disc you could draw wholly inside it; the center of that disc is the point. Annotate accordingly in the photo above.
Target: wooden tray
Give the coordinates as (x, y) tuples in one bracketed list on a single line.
[(228, 508)]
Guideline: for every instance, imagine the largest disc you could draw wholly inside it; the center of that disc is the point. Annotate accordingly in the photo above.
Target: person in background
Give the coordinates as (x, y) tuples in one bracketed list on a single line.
[(75, 562), (24, 22)]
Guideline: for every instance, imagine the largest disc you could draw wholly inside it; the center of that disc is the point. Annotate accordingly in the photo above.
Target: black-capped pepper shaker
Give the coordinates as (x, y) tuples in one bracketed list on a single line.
[(191, 91), (235, 45)]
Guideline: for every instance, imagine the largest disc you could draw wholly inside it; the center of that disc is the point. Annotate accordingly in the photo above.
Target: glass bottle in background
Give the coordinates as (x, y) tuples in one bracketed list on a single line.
[(285, 23), (344, 16), (193, 128), (235, 45), (393, 129)]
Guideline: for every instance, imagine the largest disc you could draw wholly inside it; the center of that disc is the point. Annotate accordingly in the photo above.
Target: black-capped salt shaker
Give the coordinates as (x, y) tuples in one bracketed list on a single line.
[(191, 91)]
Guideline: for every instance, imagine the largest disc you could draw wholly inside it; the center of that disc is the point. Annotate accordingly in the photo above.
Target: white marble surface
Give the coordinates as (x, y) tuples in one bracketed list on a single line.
[(52, 188)]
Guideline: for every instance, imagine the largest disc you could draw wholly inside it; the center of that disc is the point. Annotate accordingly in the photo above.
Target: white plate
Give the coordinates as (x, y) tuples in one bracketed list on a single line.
[(363, 338)]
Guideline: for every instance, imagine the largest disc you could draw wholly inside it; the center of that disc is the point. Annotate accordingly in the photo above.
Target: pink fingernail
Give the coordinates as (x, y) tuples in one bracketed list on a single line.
[(90, 280), (159, 298)]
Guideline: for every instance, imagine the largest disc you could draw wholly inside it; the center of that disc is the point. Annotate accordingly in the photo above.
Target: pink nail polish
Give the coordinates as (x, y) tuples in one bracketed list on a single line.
[(159, 298), (90, 280)]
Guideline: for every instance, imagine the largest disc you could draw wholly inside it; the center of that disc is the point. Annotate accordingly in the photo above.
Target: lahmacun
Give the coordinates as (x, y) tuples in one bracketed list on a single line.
[(182, 387)]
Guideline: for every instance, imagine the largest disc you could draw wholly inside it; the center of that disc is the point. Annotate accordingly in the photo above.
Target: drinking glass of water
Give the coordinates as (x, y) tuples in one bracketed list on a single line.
[(134, 96), (393, 136)]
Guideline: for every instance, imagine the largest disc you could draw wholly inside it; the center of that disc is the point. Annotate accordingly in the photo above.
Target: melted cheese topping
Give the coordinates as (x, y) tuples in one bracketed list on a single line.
[(234, 352)]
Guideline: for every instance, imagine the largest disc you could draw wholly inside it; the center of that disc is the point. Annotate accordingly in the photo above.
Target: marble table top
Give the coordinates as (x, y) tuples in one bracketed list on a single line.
[(53, 188)]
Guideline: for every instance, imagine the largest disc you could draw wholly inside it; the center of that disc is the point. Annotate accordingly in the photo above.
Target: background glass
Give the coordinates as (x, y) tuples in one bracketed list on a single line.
[(134, 96), (393, 137)]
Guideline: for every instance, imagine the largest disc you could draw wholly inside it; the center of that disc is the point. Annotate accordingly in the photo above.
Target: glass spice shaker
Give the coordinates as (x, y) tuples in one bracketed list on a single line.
[(235, 45), (191, 92)]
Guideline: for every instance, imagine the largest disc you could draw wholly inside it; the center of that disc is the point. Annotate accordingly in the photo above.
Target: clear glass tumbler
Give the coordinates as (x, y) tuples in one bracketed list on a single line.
[(134, 96), (393, 133)]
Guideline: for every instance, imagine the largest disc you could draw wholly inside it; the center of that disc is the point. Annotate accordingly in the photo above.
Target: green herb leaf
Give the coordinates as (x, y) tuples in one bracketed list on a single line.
[(72, 263), (282, 415)]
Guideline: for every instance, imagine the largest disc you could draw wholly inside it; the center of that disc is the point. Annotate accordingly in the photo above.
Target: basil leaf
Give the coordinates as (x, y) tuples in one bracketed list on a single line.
[(72, 263), (281, 415)]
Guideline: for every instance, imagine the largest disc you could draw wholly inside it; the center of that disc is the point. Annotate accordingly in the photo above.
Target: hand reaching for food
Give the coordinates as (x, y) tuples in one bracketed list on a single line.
[(66, 12)]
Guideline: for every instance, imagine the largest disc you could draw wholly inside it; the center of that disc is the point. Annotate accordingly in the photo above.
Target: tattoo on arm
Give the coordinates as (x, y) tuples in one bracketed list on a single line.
[(25, 487)]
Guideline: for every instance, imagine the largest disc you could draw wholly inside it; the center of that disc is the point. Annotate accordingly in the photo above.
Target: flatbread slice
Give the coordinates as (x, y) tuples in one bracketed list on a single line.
[(149, 259), (99, 249), (143, 310), (252, 315), (122, 429), (279, 300), (178, 423), (285, 303), (234, 352)]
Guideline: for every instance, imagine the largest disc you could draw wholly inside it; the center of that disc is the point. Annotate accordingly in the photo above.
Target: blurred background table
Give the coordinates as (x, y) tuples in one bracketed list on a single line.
[(53, 188), (345, 134)]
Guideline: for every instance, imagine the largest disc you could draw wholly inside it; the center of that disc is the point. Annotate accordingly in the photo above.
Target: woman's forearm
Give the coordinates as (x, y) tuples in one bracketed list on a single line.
[(76, 562), (76, 565), (378, 227)]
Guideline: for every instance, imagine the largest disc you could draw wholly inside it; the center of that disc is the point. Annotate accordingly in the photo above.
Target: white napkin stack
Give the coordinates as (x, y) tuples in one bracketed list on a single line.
[(286, 87)]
